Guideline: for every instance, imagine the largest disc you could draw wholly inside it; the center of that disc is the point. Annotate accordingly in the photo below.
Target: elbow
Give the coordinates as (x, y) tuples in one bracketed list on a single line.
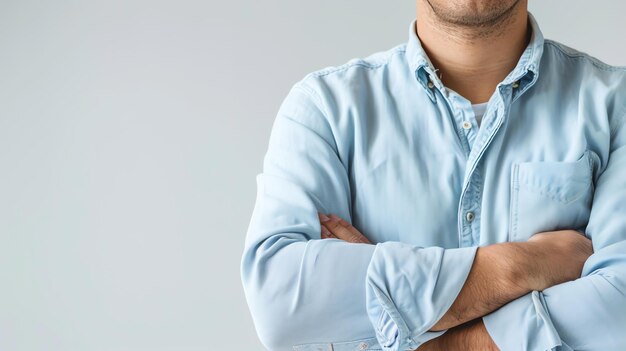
[(609, 265), (268, 295), (274, 340), (269, 327), (260, 304)]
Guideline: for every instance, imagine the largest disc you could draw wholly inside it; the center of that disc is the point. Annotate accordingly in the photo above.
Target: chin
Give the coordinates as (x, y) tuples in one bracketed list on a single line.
[(472, 12)]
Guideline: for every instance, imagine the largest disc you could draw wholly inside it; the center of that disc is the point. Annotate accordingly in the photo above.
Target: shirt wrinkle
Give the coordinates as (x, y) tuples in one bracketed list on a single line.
[(381, 142)]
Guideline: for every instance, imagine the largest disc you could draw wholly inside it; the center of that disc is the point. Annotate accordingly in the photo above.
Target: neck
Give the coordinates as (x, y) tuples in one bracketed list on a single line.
[(473, 60)]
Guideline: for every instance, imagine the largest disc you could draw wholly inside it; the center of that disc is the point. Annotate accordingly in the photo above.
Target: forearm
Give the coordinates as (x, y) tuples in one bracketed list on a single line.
[(504, 272), (496, 278), (588, 313), (469, 336)]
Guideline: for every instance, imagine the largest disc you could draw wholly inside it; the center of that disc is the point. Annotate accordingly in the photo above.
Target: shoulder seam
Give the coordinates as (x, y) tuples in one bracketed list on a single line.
[(312, 94), (359, 62), (582, 55)]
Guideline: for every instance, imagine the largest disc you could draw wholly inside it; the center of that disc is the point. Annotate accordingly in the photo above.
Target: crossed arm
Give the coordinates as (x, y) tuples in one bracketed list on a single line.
[(286, 274), (500, 273)]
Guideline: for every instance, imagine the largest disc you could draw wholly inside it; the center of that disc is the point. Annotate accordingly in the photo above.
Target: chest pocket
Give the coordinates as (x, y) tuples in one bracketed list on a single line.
[(547, 196)]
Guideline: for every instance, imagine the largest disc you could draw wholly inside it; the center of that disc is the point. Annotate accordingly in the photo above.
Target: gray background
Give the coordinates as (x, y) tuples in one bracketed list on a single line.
[(131, 132)]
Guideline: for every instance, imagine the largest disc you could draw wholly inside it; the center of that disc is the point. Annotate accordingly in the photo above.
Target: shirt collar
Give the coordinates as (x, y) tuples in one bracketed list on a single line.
[(424, 70)]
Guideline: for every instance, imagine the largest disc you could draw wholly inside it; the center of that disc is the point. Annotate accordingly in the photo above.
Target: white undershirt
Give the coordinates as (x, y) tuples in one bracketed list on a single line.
[(479, 111)]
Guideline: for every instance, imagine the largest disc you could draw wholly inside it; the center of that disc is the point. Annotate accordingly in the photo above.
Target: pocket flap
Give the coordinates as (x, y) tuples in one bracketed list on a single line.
[(562, 181)]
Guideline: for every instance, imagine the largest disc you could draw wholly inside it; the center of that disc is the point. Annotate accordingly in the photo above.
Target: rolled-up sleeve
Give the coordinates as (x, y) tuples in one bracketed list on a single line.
[(588, 313), (305, 293), (410, 288)]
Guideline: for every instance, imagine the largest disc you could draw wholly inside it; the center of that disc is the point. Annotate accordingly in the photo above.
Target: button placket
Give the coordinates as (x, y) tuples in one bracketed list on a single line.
[(471, 193), (468, 215), (460, 109), (456, 116), (470, 208), (468, 128)]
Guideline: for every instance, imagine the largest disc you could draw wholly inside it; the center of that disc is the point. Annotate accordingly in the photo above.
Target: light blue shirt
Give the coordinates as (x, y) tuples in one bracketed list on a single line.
[(380, 142)]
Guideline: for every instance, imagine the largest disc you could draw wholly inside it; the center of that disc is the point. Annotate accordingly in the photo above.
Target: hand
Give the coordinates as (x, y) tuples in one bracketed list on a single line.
[(562, 255), (334, 227)]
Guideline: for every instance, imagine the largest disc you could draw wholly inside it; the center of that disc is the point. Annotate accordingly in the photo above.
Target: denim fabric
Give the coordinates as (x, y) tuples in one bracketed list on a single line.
[(380, 142)]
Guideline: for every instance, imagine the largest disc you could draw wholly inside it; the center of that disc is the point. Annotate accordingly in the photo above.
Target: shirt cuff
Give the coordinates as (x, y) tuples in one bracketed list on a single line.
[(525, 325), (409, 288)]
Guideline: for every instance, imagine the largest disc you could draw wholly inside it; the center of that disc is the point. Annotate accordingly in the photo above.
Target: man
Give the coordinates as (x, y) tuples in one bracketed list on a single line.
[(498, 227)]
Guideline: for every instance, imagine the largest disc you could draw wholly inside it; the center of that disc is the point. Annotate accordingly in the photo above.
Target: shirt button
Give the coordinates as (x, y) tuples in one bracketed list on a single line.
[(469, 216), (430, 84), (515, 85), (467, 125), (363, 346)]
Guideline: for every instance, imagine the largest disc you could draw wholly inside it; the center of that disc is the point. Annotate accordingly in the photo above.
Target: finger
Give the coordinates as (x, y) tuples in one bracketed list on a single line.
[(326, 234), (339, 230), (357, 236), (322, 217), (345, 230)]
